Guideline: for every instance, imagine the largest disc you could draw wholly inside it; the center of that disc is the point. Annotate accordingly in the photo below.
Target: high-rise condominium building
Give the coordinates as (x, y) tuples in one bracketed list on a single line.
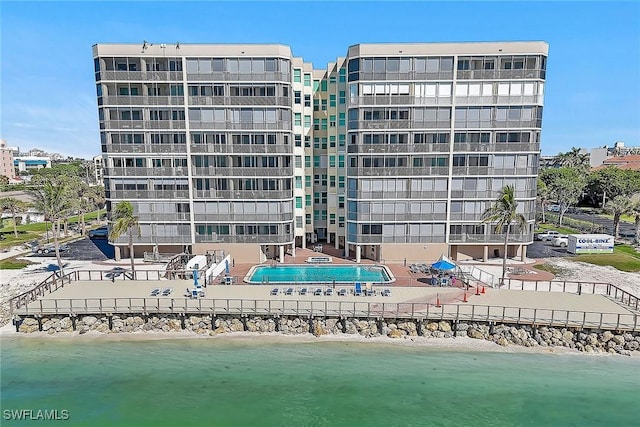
[(391, 153)]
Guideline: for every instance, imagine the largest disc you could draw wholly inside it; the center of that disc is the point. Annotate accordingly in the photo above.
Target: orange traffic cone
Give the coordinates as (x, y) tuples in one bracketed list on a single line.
[(477, 290), (482, 290), (437, 300), (465, 298)]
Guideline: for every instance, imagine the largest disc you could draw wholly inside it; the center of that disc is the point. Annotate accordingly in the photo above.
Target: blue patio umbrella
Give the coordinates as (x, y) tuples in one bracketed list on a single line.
[(443, 265), (226, 267)]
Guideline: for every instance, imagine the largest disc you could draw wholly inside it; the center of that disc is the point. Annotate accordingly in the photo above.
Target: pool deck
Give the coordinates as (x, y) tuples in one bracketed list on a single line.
[(92, 291), (402, 274)]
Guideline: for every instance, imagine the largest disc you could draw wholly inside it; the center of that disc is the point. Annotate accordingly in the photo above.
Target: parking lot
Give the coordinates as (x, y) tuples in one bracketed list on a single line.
[(85, 250), (540, 249)]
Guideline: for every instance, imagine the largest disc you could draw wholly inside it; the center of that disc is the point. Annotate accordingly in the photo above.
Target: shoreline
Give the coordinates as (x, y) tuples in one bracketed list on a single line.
[(463, 344)]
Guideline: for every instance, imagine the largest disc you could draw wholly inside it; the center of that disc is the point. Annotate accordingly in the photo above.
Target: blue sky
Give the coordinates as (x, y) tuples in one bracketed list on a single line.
[(592, 95)]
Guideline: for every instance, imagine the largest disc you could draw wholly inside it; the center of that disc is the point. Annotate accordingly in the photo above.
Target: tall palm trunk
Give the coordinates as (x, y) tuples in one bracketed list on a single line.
[(15, 224), (84, 228), (637, 236), (133, 269), (57, 247), (504, 256), (616, 224)]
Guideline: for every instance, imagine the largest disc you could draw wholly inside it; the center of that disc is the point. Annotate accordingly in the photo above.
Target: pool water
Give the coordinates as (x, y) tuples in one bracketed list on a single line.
[(319, 274)]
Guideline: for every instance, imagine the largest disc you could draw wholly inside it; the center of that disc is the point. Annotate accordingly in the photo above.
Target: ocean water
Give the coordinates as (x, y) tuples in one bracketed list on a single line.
[(229, 382)]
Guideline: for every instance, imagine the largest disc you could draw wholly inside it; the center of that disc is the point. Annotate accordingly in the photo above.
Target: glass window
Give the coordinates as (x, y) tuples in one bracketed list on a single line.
[(307, 80), (297, 75)]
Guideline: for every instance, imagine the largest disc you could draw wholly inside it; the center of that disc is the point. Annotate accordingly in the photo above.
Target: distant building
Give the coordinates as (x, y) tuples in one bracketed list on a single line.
[(602, 155), (27, 163), (98, 168), (6, 160), (631, 162)]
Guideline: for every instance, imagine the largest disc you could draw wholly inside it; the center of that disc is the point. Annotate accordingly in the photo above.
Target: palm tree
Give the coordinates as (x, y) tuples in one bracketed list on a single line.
[(125, 222), (618, 206), (14, 206), (574, 159), (543, 197), (635, 210), (503, 213), (53, 198)]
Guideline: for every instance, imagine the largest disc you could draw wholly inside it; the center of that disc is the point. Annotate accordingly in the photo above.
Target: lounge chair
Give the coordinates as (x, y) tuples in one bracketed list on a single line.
[(371, 292), (358, 289), (318, 291), (386, 293), (167, 292), (342, 292), (275, 291), (289, 291), (303, 291), (155, 292), (328, 292)]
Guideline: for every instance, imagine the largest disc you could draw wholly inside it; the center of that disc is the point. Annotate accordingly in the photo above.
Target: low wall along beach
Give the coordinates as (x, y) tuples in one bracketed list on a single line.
[(587, 340)]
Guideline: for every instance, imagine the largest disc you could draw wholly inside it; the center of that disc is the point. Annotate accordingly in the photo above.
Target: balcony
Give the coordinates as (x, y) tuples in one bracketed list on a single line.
[(272, 239), (500, 74), (490, 238), (148, 194), (410, 75), (240, 100), (244, 217), (500, 147), (397, 148), (280, 125), (141, 100), (145, 148), (499, 100), (243, 194), (154, 171), (224, 76), (402, 171), (393, 195), (142, 124), (493, 124), (181, 217), (243, 171), (242, 148), (140, 75)]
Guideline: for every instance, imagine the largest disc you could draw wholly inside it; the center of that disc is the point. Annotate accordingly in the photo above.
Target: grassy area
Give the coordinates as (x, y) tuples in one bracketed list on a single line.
[(627, 249), (623, 258), (12, 264), (563, 230), (36, 230), (10, 240)]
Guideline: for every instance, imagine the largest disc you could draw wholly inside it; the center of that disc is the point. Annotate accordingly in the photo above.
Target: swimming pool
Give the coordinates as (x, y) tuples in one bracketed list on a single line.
[(319, 274)]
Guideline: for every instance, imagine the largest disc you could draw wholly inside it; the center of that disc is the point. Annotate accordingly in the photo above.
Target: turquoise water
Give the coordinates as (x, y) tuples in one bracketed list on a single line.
[(223, 382), (319, 273)]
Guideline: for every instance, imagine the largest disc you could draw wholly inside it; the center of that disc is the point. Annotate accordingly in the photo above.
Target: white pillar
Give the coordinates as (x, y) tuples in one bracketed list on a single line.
[(281, 247), (523, 253), (485, 254), (358, 253), (293, 249), (117, 255), (304, 241), (337, 242)]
